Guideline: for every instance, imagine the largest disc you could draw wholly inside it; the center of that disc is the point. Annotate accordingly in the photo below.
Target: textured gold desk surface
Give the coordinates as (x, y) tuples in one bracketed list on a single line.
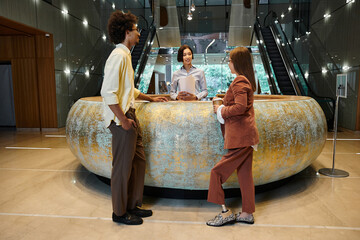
[(183, 140)]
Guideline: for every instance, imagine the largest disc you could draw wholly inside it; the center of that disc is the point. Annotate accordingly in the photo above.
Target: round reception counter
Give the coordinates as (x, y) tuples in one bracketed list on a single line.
[(183, 140)]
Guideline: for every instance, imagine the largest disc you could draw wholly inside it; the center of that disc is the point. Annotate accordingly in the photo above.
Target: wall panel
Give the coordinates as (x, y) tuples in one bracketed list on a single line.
[(46, 81), (33, 74), (23, 46), (5, 48), (25, 93)]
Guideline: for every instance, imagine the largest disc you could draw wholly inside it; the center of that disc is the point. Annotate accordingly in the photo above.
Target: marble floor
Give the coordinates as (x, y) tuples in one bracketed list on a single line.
[(47, 194)]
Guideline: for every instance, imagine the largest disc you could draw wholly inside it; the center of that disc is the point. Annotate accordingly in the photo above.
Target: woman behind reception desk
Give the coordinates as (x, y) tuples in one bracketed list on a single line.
[(188, 83)]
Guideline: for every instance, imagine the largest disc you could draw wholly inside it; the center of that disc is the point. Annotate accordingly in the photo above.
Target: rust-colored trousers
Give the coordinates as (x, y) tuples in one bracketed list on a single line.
[(241, 160), (128, 166)]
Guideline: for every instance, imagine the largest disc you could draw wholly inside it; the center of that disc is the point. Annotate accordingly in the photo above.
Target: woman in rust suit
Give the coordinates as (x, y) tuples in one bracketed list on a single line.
[(240, 137)]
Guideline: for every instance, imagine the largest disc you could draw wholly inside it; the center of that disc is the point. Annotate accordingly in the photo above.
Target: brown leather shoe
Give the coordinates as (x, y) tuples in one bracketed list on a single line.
[(127, 218), (140, 212)]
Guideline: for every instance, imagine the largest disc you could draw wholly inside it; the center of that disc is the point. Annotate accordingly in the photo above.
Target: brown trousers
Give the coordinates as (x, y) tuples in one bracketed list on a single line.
[(241, 160), (128, 166)]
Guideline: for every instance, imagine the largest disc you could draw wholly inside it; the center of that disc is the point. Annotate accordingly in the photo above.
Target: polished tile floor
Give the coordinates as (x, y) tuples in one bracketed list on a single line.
[(46, 194)]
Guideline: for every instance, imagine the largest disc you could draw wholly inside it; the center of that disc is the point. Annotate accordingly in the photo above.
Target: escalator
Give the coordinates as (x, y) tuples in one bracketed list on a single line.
[(139, 48), (283, 78), (141, 52), (277, 62), (284, 72)]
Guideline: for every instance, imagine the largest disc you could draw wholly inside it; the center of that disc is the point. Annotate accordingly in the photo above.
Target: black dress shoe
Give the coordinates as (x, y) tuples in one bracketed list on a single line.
[(140, 212), (127, 218)]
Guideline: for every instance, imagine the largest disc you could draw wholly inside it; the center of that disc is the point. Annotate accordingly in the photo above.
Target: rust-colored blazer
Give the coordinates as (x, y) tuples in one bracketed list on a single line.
[(239, 129)]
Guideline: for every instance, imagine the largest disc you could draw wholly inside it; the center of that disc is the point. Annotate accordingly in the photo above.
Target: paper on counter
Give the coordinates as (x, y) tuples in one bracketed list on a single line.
[(187, 84)]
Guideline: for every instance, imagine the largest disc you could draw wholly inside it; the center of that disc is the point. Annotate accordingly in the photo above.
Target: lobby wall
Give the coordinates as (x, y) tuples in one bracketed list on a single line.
[(80, 50)]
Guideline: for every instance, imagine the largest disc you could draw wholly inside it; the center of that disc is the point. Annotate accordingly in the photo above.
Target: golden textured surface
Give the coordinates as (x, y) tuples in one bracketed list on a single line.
[(183, 140)]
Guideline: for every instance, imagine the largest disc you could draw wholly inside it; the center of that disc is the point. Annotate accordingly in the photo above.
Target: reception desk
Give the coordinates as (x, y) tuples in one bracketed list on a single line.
[(183, 140)]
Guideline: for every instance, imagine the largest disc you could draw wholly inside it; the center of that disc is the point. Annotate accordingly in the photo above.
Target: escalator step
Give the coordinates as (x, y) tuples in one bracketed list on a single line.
[(286, 83), (288, 91), (281, 72), (277, 64), (272, 47), (275, 58)]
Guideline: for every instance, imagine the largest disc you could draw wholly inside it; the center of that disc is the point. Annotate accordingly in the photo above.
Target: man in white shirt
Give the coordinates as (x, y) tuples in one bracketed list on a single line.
[(119, 94)]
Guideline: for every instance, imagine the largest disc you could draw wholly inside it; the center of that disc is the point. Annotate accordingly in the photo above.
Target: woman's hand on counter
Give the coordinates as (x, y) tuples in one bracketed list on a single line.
[(186, 96)]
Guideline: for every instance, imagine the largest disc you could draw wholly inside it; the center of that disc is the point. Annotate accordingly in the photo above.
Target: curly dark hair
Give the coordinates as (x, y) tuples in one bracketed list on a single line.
[(118, 23), (181, 52)]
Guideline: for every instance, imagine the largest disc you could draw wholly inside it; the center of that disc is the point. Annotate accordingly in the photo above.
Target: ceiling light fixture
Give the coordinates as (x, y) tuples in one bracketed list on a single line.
[(192, 7), (189, 16), (345, 67)]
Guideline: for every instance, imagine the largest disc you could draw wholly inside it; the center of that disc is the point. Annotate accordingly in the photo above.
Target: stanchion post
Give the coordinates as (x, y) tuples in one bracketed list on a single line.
[(341, 92)]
